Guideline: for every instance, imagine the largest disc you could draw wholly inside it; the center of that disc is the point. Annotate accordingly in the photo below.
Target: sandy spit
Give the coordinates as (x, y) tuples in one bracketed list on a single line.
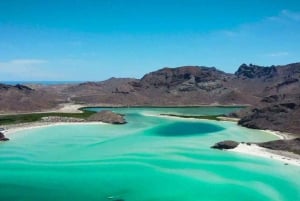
[(11, 129), (255, 150)]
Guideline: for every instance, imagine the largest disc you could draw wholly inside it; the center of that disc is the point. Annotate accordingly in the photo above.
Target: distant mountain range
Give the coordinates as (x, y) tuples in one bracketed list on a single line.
[(271, 90)]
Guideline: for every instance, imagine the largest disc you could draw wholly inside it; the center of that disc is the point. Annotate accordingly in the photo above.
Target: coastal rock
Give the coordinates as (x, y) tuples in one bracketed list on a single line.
[(292, 145), (227, 144), (280, 113), (107, 116), (2, 137)]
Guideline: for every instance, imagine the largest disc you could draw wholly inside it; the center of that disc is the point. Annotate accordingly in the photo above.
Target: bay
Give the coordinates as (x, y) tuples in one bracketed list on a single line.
[(152, 158)]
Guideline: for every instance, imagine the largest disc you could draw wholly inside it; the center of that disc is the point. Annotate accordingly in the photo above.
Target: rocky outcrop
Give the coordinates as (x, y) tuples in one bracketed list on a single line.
[(278, 112), (292, 145), (18, 86), (228, 144), (253, 71), (23, 87), (2, 137), (107, 116), (188, 76), (21, 98)]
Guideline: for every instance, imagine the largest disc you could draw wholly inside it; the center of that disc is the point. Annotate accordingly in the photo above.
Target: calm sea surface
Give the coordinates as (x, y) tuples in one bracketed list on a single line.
[(151, 158)]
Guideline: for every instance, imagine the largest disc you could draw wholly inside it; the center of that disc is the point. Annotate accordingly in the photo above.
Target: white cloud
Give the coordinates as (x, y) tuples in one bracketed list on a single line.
[(228, 33), (285, 16), (268, 41), (75, 43), (278, 54), (27, 61), (291, 15), (25, 69)]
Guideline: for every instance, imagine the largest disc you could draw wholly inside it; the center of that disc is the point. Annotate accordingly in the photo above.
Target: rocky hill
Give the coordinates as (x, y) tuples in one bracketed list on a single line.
[(191, 85), (277, 112), (20, 98), (266, 81), (272, 91), (279, 89), (188, 85)]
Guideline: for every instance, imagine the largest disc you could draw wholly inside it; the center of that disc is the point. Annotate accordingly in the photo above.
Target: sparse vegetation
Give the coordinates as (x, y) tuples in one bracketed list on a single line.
[(27, 118)]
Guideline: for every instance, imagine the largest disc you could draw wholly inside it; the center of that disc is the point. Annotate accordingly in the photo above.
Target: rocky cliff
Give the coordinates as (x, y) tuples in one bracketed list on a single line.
[(279, 90), (276, 112)]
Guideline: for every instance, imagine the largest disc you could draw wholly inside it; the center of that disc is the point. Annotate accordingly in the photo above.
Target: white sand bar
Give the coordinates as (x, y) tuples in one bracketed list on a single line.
[(11, 129), (253, 149)]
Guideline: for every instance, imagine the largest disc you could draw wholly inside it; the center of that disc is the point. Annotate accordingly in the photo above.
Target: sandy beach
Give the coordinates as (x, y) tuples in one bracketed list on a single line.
[(255, 150), (62, 108), (70, 108), (282, 135), (11, 129)]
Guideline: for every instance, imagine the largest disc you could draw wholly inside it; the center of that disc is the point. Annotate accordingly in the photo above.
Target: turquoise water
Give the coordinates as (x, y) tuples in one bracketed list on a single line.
[(149, 159)]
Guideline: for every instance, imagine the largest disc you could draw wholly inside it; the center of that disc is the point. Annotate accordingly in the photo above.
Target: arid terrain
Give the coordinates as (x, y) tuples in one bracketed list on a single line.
[(273, 93)]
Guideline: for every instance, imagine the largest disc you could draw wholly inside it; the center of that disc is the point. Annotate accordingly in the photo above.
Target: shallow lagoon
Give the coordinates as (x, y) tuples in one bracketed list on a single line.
[(151, 158)]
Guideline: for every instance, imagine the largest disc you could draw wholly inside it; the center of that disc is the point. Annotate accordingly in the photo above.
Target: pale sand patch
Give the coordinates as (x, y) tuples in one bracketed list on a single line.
[(282, 135), (62, 108), (228, 119), (255, 150), (11, 129), (70, 108)]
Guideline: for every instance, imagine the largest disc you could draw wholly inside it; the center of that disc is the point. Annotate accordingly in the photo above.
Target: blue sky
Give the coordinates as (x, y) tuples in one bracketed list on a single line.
[(95, 40)]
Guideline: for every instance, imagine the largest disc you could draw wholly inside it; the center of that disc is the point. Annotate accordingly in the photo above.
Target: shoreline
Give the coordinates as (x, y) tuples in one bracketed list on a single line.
[(11, 129), (281, 135), (62, 108), (287, 158), (75, 108), (254, 150)]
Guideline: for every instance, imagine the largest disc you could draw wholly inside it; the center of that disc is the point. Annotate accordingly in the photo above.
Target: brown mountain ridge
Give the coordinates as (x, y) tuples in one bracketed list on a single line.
[(271, 91)]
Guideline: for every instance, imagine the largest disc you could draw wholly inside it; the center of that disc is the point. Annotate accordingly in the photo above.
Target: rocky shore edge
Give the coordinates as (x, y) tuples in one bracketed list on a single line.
[(285, 150), (104, 116), (3, 137)]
